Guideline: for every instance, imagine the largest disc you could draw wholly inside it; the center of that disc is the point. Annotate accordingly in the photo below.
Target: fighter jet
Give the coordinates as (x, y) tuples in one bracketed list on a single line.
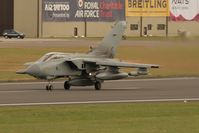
[(89, 69)]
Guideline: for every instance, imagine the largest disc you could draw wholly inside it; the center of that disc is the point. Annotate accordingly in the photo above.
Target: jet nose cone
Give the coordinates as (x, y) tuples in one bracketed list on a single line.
[(33, 70)]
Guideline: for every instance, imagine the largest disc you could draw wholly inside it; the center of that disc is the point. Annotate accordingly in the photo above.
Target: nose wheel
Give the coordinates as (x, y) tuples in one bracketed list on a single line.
[(49, 86)]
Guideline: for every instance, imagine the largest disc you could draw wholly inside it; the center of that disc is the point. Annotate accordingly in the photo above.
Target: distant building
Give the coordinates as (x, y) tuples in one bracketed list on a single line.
[(42, 18)]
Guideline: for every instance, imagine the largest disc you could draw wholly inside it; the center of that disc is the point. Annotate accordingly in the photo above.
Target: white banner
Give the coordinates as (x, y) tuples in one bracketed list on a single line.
[(184, 10)]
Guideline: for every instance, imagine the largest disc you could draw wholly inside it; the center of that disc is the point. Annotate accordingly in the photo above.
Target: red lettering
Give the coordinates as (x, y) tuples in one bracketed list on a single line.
[(106, 14), (111, 5)]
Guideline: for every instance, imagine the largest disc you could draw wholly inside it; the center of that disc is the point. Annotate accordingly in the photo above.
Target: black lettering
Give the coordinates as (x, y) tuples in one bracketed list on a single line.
[(164, 4), (129, 3), (155, 4), (147, 3), (180, 1), (134, 4), (159, 4), (151, 4), (139, 3)]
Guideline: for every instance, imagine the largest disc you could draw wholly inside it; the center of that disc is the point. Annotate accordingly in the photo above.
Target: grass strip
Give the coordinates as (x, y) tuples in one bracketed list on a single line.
[(175, 60), (102, 118)]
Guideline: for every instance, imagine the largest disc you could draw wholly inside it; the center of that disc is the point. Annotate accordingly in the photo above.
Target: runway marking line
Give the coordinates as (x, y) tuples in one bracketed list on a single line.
[(26, 91), (126, 80), (185, 100), (20, 91)]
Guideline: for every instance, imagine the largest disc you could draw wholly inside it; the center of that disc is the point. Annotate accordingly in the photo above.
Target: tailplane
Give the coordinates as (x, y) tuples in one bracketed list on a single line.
[(111, 41)]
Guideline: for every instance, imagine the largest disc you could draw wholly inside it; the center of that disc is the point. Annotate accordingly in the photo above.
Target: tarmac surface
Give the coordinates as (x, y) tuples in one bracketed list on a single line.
[(137, 90)]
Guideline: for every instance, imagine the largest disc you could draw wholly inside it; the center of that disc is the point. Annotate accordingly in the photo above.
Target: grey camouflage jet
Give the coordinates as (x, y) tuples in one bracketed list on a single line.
[(92, 68)]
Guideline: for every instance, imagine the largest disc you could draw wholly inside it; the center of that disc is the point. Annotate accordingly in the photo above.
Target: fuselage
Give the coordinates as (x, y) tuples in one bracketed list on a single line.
[(56, 64)]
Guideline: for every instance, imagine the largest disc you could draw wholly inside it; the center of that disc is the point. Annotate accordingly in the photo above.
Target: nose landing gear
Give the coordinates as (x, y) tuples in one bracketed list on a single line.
[(49, 86)]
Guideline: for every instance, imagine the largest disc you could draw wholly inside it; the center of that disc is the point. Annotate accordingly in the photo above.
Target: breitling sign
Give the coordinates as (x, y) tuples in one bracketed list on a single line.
[(81, 10), (147, 7)]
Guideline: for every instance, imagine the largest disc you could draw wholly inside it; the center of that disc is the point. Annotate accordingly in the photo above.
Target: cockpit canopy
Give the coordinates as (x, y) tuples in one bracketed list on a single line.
[(51, 56)]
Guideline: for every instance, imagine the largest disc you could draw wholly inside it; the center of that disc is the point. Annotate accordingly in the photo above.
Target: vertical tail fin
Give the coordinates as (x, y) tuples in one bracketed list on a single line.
[(110, 42)]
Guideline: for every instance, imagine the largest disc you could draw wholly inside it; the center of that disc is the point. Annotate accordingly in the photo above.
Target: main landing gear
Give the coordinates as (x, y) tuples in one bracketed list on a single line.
[(66, 85), (98, 85)]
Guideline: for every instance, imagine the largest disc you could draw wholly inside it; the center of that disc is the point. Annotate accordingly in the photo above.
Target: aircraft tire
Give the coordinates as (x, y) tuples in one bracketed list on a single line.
[(67, 85), (98, 85), (49, 87)]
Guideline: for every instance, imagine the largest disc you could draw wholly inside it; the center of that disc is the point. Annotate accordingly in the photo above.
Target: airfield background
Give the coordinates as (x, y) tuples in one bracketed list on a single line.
[(93, 18)]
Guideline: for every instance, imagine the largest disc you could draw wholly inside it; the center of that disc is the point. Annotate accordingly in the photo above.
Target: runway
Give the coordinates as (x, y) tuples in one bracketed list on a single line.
[(137, 90)]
